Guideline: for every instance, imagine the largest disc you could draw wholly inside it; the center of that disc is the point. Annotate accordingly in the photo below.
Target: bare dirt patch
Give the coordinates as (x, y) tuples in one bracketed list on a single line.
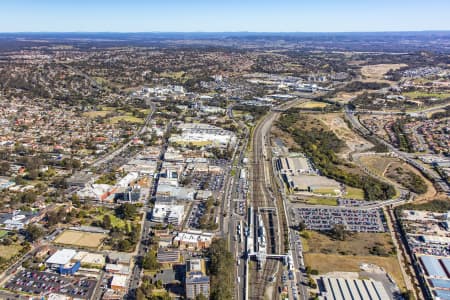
[(80, 239), (377, 72), (336, 123), (326, 263)]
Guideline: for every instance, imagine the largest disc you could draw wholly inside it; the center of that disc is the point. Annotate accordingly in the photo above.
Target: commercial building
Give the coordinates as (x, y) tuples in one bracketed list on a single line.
[(193, 239), (168, 257), (196, 282), (90, 260), (119, 283), (97, 192), (168, 213), (178, 193), (117, 269), (204, 134), (62, 261)]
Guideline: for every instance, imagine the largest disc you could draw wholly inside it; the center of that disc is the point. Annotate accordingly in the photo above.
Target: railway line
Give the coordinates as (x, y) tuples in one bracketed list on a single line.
[(265, 194)]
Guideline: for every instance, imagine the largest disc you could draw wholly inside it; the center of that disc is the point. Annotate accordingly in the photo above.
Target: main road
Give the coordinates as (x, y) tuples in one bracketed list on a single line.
[(409, 158)]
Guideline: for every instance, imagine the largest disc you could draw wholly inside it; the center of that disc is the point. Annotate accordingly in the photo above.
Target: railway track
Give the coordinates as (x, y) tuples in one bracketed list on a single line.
[(262, 198), (265, 193)]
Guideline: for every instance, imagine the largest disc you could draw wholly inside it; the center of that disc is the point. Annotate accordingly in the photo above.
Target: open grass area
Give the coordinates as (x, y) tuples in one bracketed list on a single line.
[(361, 244), (325, 263), (126, 118), (312, 104), (3, 233), (80, 239), (377, 164), (426, 95), (377, 72), (319, 201), (115, 221), (322, 201), (326, 191), (7, 252), (325, 254), (354, 193), (96, 113)]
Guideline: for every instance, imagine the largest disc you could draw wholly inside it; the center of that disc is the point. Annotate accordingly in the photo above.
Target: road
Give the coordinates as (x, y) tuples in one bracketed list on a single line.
[(137, 271), (230, 218), (408, 157), (112, 155)]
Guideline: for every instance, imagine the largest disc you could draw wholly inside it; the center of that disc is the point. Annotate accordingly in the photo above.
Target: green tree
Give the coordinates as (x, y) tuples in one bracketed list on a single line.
[(221, 270), (33, 232), (339, 232), (150, 262), (107, 222), (126, 211)]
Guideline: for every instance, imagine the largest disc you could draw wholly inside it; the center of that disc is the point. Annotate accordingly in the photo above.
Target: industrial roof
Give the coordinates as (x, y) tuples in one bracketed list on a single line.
[(432, 266), (62, 257), (440, 283), (342, 289), (443, 295), (446, 263)]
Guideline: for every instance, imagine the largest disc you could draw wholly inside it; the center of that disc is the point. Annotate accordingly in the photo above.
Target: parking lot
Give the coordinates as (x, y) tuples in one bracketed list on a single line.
[(41, 283), (198, 209), (205, 181), (356, 220)]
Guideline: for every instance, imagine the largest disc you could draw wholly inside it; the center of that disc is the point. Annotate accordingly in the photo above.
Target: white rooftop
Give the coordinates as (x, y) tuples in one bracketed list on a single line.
[(119, 280), (62, 257)]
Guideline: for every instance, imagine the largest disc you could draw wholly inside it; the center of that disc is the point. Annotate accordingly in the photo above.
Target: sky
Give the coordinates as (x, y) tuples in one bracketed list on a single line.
[(221, 15)]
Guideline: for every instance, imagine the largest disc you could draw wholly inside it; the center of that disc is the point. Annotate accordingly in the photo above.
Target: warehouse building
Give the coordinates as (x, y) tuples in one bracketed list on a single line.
[(312, 183), (332, 288), (294, 165)]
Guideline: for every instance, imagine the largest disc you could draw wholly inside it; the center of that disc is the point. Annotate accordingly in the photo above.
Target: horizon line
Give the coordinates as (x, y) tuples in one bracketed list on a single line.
[(242, 31)]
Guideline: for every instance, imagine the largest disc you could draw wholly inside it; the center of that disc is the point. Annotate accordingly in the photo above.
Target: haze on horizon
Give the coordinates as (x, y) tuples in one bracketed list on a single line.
[(223, 16)]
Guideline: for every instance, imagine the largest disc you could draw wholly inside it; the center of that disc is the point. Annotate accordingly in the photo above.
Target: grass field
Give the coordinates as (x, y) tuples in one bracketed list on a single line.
[(126, 118), (80, 239), (377, 72), (425, 95), (312, 104), (356, 244), (7, 252), (96, 113), (321, 201), (355, 193), (115, 221), (377, 164), (3, 233), (325, 254), (325, 263)]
